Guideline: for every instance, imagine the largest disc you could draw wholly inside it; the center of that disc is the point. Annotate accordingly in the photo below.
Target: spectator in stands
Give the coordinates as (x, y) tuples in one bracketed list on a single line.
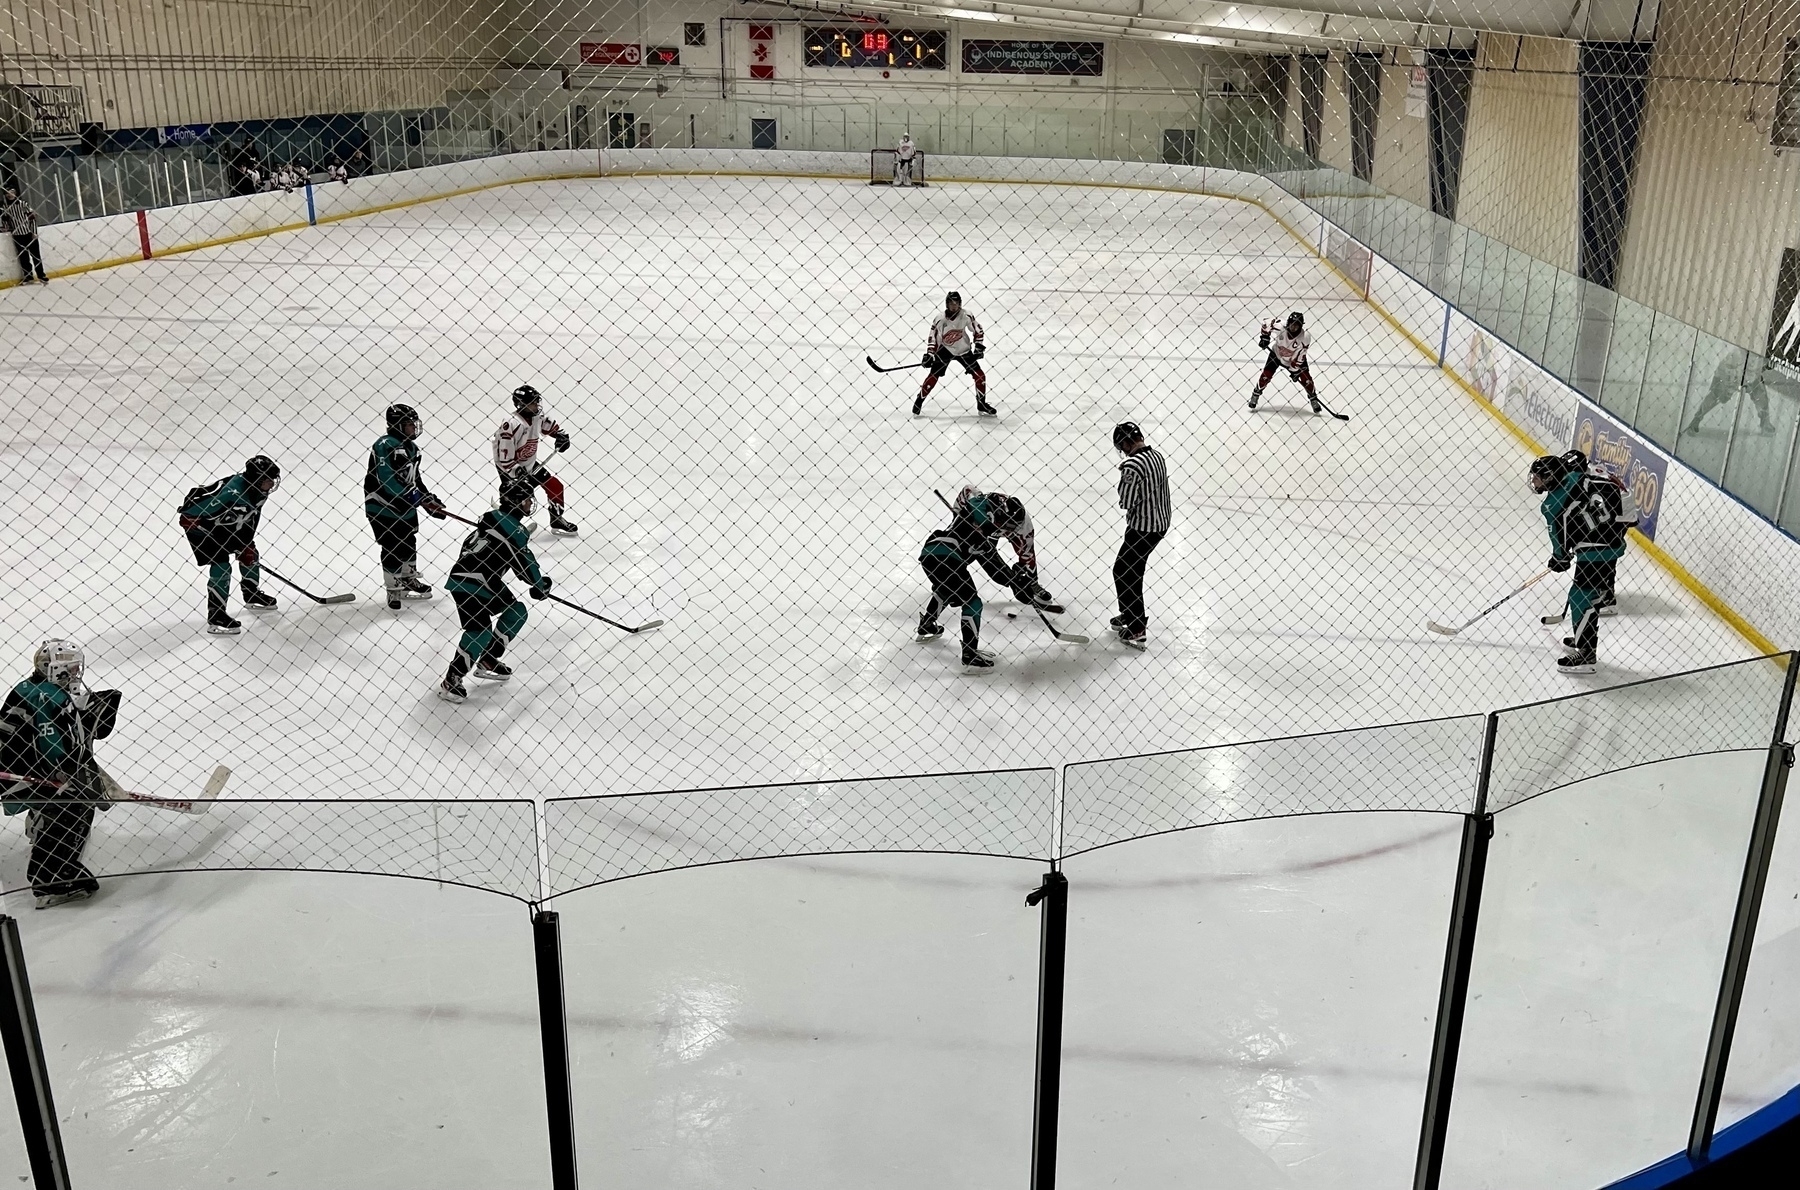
[(243, 166), (358, 164), (21, 223)]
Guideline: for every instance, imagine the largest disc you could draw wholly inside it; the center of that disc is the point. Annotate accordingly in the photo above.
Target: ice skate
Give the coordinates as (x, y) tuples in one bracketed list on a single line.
[(1255, 396), (1135, 640), (985, 409), (928, 629), (918, 406), (223, 625), (561, 525), (1316, 407), (1576, 663), (493, 669), (256, 601), (1041, 600), (411, 588), (451, 690), (977, 659)]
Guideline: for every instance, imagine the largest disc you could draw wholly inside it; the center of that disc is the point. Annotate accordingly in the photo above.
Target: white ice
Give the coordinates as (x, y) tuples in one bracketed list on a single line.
[(1254, 998)]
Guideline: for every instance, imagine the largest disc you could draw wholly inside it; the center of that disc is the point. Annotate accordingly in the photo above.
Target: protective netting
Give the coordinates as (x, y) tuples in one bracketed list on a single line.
[(594, 840), (268, 224), (1430, 767)]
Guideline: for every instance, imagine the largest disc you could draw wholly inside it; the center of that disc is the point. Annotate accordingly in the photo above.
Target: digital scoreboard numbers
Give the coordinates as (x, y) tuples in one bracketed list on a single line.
[(863, 46)]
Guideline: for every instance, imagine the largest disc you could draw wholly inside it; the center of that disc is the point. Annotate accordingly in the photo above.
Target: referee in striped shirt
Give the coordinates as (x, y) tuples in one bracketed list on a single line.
[(1144, 495)]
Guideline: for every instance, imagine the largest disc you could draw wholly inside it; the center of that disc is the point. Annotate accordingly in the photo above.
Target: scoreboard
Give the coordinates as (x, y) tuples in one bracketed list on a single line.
[(865, 46)]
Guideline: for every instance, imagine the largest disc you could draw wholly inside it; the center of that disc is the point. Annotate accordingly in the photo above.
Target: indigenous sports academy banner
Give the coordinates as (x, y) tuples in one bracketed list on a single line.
[(1085, 58)]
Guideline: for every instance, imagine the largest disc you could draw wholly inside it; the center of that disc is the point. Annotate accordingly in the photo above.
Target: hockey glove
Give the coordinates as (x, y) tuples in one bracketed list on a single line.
[(980, 350), (562, 442), (435, 508), (928, 360), (248, 555), (542, 589), (1559, 564), (190, 523)]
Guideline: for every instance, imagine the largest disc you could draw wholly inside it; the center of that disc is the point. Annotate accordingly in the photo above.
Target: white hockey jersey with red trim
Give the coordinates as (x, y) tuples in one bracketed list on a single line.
[(516, 441), (956, 335), (1289, 349)]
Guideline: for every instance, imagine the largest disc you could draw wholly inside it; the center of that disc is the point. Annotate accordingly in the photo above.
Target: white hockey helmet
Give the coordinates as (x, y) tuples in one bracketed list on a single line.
[(61, 662)]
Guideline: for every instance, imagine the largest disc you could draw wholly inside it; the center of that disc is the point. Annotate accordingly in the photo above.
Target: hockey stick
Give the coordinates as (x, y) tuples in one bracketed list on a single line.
[(282, 578), (114, 792), (1330, 410), (895, 368), (1558, 617), (1519, 590), (1072, 638), (584, 611)]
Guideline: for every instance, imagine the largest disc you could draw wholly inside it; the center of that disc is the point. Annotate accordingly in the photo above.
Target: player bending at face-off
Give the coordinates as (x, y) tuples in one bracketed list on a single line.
[(945, 557), (955, 336), (1287, 346), (906, 156), (220, 520), (1007, 517), (489, 614), (393, 493), (516, 445)]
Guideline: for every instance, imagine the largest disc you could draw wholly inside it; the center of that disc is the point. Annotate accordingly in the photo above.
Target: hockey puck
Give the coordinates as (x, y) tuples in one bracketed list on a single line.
[(1012, 615)]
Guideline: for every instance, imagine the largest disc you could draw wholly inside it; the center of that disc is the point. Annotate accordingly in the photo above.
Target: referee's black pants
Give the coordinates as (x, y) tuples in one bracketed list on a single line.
[(1128, 578)]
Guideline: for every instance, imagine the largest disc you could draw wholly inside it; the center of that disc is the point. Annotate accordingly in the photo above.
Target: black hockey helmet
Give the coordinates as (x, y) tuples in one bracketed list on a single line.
[(1295, 318), (1125, 433), (518, 497), (260, 467), (1575, 460), (1547, 471), (524, 395), (953, 296), (399, 415)]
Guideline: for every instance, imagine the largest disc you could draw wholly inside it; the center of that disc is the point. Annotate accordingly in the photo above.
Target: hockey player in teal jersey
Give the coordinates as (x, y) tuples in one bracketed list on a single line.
[(489, 613), (1587, 516), (393, 493), (220, 519), (48, 725), (945, 557)]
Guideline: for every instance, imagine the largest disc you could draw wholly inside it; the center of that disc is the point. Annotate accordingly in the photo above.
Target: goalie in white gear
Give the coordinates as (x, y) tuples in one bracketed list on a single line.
[(905, 160), (516, 445)]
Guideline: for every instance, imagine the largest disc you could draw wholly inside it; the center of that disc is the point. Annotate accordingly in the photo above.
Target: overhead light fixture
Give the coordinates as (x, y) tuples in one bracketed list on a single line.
[(1193, 39), (969, 14)]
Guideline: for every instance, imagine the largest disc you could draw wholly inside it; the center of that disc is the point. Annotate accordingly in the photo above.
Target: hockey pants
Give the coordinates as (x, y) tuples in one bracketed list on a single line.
[(218, 582), (951, 586), (1301, 376), (1590, 590), (970, 365), (55, 866), (484, 635), (398, 540)]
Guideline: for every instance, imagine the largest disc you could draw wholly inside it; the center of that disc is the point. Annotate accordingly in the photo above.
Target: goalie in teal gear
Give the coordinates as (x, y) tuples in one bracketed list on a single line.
[(490, 616), (48, 725), (220, 519)]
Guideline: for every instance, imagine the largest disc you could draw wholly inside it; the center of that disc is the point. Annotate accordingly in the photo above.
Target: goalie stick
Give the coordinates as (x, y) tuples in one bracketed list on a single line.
[(282, 578), (895, 368), (1523, 587), (1071, 638), (215, 785)]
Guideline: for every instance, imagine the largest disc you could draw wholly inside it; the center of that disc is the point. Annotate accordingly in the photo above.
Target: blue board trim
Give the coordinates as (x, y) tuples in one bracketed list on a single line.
[(312, 215), (1752, 1127)]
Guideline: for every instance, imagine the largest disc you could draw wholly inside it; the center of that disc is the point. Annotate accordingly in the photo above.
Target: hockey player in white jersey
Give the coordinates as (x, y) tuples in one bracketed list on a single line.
[(955, 336), (516, 445), (905, 160), (1287, 346)]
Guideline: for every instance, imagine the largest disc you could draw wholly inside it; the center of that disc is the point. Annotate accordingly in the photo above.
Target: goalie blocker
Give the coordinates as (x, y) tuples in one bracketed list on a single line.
[(882, 165)]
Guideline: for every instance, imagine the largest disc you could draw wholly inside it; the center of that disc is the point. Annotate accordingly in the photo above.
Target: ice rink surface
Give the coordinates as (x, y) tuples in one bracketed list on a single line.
[(740, 472), (1252, 1000)]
